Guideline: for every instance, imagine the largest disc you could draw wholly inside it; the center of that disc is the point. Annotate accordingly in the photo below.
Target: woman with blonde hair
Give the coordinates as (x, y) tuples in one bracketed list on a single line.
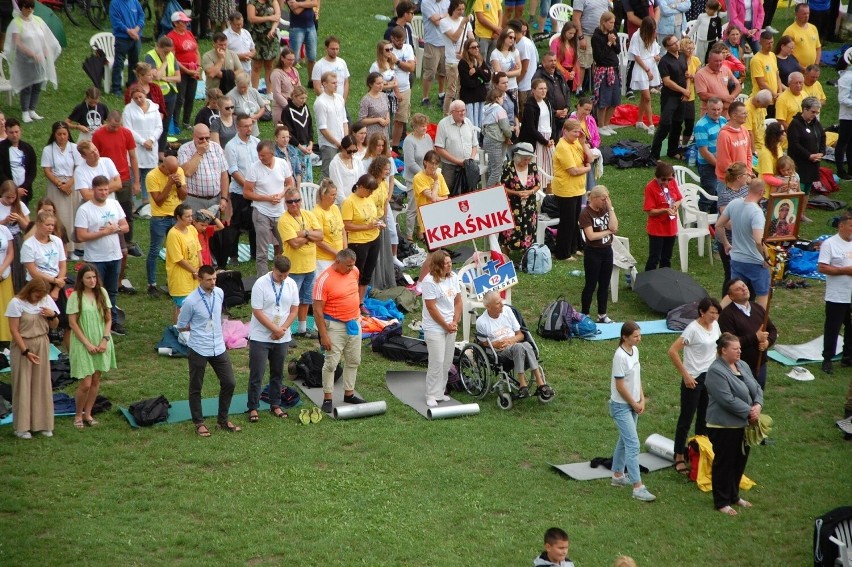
[(442, 310), (737, 179), (384, 65), (507, 59), (224, 129), (599, 225), (571, 163), (329, 216)]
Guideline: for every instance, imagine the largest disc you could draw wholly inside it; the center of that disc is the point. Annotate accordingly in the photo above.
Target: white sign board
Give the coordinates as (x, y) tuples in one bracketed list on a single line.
[(467, 217)]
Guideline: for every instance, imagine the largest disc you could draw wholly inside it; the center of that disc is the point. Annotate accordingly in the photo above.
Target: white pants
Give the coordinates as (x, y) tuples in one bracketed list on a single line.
[(441, 348)]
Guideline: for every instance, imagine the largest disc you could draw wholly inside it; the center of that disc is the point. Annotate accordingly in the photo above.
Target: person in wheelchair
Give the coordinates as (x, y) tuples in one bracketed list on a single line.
[(499, 328)]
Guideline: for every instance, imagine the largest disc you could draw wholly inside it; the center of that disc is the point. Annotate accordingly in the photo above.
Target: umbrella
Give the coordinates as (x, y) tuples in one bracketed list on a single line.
[(664, 289), (53, 22), (95, 66)]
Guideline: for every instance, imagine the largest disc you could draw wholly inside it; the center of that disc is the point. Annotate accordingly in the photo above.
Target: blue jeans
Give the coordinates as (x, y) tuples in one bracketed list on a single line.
[(160, 227), (627, 447), (109, 272), (308, 36), (125, 48)]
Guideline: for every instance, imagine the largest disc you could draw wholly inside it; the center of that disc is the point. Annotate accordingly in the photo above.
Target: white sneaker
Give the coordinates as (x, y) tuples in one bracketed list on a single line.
[(125, 283), (643, 494), (26, 119), (445, 398), (619, 481), (431, 403), (23, 435), (641, 126), (47, 433), (35, 116), (651, 129), (606, 131)]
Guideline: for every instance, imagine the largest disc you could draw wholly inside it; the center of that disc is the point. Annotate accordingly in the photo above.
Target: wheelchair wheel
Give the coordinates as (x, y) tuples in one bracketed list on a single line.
[(474, 370), (546, 396), (504, 401)]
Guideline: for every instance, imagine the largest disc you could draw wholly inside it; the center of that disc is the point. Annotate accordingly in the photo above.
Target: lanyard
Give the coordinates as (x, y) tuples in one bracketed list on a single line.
[(277, 293), (208, 307)]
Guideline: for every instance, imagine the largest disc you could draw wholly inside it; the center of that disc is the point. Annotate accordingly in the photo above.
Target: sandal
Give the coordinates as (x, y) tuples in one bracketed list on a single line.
[(276, 411), (202, 430), (728, 511), (316, 415), (91, 422), (78, 423), (304, 416), (743, 503), (253, 417), (681, 468), (229, 427)]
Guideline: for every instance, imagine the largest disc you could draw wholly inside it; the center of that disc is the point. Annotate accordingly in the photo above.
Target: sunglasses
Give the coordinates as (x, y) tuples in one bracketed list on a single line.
[(292, 201), (473, 47), (388, 49), (228, 107), (351, 152)]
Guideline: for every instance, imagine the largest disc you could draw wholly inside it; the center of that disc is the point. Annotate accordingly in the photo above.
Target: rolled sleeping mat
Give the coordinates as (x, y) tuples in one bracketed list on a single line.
[(660, 446), (354, 411), (461, 410)]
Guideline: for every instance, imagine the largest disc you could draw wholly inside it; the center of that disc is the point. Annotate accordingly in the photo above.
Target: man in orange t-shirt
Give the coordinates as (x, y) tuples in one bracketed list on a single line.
[(337, 310)]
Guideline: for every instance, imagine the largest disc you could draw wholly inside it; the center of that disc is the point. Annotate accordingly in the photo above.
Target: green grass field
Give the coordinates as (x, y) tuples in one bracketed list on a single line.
[(397, 489)]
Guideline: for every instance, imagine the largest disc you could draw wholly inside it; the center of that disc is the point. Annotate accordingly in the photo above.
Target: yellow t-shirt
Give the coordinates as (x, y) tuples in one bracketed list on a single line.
[(182, 246), (380, 195), (767, 164), (303, 260), (155, 182), (360, 211), (567, 156), (806, 41), (692, 68), (332, 230), (491, 10), (756, 123), (815, 90), (421, 183), (764, 66), (788, 105)]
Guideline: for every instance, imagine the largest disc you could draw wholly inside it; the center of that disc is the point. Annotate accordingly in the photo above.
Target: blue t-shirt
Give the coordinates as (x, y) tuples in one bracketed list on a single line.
[(706, 131), (305, 19)]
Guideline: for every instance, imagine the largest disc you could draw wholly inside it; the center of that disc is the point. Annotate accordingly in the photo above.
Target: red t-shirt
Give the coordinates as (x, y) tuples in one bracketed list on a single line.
[(204, 239), (115, 146), (186, 48), (657, 197)]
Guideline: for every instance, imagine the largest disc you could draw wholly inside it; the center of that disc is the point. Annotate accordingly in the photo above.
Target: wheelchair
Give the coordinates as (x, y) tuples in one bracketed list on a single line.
[(483, 370)]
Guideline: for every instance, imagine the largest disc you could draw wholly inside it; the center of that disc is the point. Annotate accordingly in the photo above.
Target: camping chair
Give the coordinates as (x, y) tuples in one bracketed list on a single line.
[(623, 40), (689, 204), (105, 41), (309, 195), (5, 84), (842, 538)]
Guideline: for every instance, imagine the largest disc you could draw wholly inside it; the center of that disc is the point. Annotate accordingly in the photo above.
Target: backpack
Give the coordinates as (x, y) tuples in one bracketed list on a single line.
[(405, 349), (583, 328), (454, 383), (555, 321), (536, 260), (309, 369), (679, 317), (231, 283), (379, 340), (150, 411), (289, 396)]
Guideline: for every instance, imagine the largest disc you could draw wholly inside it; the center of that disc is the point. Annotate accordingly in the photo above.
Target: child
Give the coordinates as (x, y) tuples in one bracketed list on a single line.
[(787, 176), (735, 65), (555, 550), (624, 561), (708, 29), (693, 63), (207, 224)]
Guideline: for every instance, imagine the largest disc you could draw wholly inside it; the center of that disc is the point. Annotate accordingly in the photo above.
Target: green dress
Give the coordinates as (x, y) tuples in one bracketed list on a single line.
[(266, 48), (92, 324)]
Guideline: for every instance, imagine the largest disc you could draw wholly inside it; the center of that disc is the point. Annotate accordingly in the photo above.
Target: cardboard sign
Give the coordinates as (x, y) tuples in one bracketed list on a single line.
[(494, 278), (467, 217)]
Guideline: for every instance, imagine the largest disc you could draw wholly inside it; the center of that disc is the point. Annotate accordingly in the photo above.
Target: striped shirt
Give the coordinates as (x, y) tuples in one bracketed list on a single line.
[(206, 181), (706, 132)]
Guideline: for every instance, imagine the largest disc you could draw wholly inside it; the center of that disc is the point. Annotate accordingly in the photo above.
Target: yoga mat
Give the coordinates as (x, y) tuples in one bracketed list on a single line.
[(806, 353), (410, 388), (584, 471), (294, 328), (342, 410), (54, 355), (660, 446), (209, 407), (613, 330)]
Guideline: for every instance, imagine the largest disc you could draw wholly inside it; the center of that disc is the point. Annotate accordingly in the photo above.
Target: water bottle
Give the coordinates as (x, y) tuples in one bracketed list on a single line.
[(382, 18), (576, 273), (692, 155), (628, 279)]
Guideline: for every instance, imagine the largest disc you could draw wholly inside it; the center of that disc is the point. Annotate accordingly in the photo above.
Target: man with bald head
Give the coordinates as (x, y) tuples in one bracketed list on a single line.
[(166, 186), (206, 169), (789, 102), (455, 142), (755, 123)]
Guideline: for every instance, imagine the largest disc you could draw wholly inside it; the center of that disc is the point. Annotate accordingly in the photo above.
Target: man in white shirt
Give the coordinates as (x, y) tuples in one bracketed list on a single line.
[(331, 63), (240, 41), (529, 59), (274, 302), (434, 62), (404, 64), (330, 116), (241, 153), (94, 165), (265, 184), (835, 261), (455, 30), (98, 223), (455, 142)]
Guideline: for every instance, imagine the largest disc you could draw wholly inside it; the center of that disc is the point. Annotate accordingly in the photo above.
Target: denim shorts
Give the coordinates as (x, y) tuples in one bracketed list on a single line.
[(755, 274), (305, 283), (512, 3), (544, 9)]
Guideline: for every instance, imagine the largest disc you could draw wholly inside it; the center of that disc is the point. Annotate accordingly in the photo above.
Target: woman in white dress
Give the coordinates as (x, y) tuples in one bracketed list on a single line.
[(645, 51), (142, 117), (58, 160)]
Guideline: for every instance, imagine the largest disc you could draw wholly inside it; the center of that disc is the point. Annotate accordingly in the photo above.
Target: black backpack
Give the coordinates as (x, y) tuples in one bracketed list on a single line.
[(231, 283), (379, 339), (309, 369), (150, 411), (404, 349), (556, 319)]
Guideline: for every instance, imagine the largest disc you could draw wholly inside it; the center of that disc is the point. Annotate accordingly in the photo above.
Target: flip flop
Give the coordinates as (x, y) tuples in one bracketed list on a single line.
[(743, 503), (727, 510), (304, 416), (78, 423), (316, 415)]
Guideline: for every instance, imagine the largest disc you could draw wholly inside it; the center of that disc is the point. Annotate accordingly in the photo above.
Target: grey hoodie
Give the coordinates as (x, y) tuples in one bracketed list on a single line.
[(543, 561)]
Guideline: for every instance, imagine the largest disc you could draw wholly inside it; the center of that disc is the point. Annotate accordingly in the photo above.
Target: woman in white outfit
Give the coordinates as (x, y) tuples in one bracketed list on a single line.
[(442, 306), (142, 118), (58, 160), (645, 51)]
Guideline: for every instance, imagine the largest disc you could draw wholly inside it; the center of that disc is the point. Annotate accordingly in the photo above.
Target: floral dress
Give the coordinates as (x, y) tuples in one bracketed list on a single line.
[(523, 210), (266, 48)]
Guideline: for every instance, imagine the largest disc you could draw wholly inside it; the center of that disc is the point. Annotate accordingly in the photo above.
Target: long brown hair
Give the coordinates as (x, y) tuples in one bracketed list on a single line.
[(436, 265), (472, 60), (646, 31), (382, 61), (373, 142), (98, 291), (8, 186), (627, 329), (377, 166), (35, 285)]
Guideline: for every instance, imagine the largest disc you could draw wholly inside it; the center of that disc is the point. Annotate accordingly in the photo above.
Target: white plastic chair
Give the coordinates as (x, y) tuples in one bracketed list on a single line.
[(615, 278), (681, 174), (623, 40), (560, 14), (309, 195), (5, 84), (692, 215), (417, 32), (690, 27), (471, 270), (842, 538), (105, 41), (686, 233)]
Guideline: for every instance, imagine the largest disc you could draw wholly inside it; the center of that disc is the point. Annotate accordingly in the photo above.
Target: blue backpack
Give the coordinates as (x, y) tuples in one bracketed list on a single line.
[(536, 260), (584, 327)]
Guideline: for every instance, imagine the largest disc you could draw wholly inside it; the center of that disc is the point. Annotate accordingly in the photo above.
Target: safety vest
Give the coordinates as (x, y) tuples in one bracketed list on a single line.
[(165, 86)]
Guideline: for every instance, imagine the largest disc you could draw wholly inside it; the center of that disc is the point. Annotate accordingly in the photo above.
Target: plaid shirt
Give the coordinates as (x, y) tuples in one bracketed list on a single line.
[(206, 181)]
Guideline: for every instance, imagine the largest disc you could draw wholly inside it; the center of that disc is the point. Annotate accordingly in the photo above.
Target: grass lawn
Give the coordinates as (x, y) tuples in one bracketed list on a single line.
[(396, 489)]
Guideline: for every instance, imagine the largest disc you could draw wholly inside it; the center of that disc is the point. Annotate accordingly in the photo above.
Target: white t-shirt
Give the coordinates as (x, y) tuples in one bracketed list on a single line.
[(526, 48), (445, 293), (451, 48), (511, 60), (837, 252), (92, 217), (387, 75), (699, 347), (242, 43), (63, 163), (626, 367), (403, 79), (269, 181), (16, 161), (503, 327), (45, 256), (264, 298), (338, 66), (18, 307), (5, 240), (5, 210), (330, 114), (84, 174)]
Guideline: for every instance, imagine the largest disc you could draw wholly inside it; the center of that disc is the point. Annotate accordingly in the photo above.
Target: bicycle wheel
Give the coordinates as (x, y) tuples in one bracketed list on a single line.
[(74, 11), (97, 11)]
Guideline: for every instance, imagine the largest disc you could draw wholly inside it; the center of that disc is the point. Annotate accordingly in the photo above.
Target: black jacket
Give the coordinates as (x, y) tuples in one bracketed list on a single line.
[(604, 55), (804, 139), (30, 166), (529, 123), (473, 88), (558, 94)]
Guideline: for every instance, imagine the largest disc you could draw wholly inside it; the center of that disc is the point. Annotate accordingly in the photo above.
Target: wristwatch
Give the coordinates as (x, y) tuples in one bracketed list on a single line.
[(106, 338)]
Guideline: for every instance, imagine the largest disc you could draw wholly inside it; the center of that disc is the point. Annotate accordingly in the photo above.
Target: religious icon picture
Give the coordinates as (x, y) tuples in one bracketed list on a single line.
[(783, 213)]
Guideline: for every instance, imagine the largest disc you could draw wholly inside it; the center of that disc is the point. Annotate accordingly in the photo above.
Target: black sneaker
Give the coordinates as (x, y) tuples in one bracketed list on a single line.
[(827, 367), (327, 406), (426, 102), (844, 176), (118, 329), (134, 250), (524, 392), (308, 334), (353, 399), (154, 292), (629, 95)]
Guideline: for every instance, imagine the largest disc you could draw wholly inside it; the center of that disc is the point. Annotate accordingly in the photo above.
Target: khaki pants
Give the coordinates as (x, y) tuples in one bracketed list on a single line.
[(349, 346), (452, 88)]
